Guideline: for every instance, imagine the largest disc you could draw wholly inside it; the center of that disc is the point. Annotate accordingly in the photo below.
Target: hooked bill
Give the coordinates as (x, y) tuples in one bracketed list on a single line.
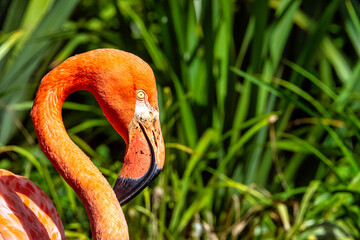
[(145, 153)]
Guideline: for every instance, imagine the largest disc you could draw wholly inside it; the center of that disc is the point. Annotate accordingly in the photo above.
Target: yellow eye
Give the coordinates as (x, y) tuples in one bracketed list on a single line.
[(140, 95)]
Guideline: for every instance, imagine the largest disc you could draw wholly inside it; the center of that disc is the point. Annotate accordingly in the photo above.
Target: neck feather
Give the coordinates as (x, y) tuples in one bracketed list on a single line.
[(105, 215)]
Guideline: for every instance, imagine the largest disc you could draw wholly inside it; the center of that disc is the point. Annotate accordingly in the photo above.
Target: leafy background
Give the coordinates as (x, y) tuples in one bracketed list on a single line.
[(259, 105)]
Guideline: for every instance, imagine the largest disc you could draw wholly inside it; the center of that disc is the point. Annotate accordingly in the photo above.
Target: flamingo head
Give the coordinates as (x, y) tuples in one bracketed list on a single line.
[(126, 92)]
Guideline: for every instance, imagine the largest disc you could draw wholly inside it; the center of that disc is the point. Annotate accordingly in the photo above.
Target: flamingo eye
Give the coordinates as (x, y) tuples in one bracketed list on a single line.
[(140, 94)]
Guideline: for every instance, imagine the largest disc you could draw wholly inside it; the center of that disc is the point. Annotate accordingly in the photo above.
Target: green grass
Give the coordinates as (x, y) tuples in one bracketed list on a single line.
[(260, 110)]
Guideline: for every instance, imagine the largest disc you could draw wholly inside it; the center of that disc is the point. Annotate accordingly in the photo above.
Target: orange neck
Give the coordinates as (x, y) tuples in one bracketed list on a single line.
[(105, 215)]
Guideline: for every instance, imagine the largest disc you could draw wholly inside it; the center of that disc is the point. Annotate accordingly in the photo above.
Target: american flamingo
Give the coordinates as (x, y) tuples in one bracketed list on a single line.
[(125, 88)]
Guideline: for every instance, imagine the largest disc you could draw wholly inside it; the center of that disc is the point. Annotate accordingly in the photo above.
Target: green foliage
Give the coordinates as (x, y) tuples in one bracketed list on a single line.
[(259, 106)]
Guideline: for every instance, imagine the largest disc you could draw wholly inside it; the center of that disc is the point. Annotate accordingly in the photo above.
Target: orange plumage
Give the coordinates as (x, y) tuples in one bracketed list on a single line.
[(115, 78), (26, 212)]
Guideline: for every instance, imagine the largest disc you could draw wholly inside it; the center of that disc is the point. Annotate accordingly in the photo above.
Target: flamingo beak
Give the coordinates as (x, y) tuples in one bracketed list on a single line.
[(145, 153)]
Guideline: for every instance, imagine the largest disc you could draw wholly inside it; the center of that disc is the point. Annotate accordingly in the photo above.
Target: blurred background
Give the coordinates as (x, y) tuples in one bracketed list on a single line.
[(259, 104)]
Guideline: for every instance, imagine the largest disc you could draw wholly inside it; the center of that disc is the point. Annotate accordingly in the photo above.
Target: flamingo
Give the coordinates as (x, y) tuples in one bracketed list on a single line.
[(124, 86)]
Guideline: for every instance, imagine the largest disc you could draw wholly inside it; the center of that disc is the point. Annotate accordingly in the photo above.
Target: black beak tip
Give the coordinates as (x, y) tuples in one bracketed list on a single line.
[(128, 188)]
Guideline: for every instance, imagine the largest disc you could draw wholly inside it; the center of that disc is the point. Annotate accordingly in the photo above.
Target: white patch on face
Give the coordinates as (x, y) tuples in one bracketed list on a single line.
[(143, 110)]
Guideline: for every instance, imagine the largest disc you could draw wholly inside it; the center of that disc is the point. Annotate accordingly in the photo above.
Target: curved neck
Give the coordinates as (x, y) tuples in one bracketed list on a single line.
[(105, 215)]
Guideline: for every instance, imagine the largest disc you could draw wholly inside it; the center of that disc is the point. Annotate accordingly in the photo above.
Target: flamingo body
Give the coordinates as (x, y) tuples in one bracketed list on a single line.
[(26, 212), (125, 88)]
